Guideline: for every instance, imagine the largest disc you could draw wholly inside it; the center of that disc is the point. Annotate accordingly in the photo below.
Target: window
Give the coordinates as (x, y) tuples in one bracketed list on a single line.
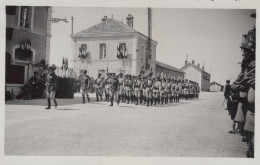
[(83, 51), (25, 17), (122, 48), (102, 51)]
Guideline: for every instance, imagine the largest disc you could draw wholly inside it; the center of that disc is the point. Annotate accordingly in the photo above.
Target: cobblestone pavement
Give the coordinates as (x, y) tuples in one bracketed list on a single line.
[(196, 128)]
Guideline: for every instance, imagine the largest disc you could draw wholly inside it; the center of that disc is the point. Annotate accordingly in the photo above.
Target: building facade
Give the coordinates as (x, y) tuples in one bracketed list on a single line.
[(112, 46), (198, 74), (28, 34), (216, 87), (168, 70)]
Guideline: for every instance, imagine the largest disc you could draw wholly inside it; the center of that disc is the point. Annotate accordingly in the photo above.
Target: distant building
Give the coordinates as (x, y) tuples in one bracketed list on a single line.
[(168, 70), (112, 46), (216, 87), (198, 74), (28, 34)]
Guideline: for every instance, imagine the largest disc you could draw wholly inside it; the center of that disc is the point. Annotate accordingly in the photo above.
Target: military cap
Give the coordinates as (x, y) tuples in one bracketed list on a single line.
[(228, 81)]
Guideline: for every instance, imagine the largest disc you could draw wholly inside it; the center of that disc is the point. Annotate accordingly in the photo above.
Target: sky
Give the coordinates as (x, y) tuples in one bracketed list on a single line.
[(209, 36)]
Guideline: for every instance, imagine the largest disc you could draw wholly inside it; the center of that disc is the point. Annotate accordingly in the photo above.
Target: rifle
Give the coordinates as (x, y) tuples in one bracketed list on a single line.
[(224, 101)]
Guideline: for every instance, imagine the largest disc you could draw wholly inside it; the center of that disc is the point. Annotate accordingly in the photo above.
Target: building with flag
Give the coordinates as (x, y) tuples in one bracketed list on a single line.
[(112, 46), (196, 73), (28, 34)]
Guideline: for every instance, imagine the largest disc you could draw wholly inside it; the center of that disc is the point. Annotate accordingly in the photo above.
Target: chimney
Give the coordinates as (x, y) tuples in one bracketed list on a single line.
[(104, 18), (130, 20), (193, 62), (198, 65), (186, 62)]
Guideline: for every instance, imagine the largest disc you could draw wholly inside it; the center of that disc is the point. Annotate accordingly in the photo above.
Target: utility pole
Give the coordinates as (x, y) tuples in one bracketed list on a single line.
[(149, 56), (72, 25)]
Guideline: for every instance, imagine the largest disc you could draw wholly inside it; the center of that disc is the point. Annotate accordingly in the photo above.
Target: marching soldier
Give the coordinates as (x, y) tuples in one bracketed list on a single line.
[(85, 85), (156, 90), (178, 91), (114, 87), (51, 86), (162, 91), (173, 91), (99, 85), (120, 87), (137, 88), (148, 89), (168, 92)]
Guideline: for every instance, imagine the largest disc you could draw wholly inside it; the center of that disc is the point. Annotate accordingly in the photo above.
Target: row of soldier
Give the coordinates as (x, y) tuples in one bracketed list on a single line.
[(139, 89), (241, 95)]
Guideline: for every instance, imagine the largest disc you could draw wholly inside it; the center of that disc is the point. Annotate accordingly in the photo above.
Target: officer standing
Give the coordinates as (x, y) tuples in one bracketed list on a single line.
[(120, 87), (148, 90), (85, 85), (162, 91), (227, 93), (51, 86), (107, 86), (114, 87), (98, 85)]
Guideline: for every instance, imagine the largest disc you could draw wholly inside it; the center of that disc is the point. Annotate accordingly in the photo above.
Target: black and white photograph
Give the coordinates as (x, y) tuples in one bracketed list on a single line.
[(99, 81)]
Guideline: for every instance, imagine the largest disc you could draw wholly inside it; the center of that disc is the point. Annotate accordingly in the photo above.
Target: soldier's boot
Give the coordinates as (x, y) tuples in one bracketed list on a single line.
[(108, 98), (174, 99), (97, 97), (127, 99), (88, 98), (171, 97), (155, 100), (161, 100), (144, 100), (49, 104), (151, 102), (55, 103), (101, 97), (83, 99), (136, 100), (141, 99), (166, 100), (147, 102), (178, 99), (118, 99), (111, 100)]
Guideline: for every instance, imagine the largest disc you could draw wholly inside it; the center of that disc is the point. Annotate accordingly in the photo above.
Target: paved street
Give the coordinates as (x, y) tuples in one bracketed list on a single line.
[(191, 128)]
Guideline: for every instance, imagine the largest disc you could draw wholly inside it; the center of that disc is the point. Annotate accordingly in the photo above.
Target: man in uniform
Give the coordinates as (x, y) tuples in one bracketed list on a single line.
[(156, 90), (85, 85), (120, 87), (173, 91), (168, 90), (162, 90), (114, 87), (98, 85), (128, 88), (51, 86), (107, 86), (148, 89), (186, 89), (227, 93), (137, 88)]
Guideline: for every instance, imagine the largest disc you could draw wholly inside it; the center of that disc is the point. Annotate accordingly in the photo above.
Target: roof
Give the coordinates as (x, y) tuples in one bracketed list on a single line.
[(163, 65), (215, 83), (194, 66), (109, 26)]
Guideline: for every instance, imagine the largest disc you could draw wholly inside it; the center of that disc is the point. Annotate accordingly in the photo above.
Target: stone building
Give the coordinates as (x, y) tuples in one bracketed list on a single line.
[(112, 46), (168, 70), (28, 34), (216, 87), (198, 74)]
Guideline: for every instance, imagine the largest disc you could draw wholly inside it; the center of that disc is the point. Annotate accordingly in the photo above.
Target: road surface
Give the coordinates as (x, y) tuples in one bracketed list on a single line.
[(196, 128)]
